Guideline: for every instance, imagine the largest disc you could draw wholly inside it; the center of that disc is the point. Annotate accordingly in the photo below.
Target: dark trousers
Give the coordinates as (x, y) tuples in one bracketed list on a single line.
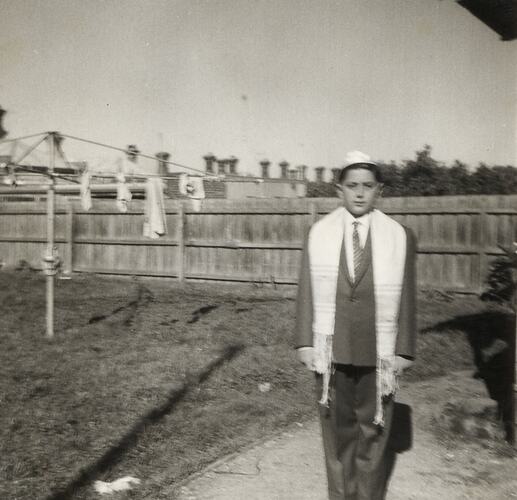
[(356, 456)]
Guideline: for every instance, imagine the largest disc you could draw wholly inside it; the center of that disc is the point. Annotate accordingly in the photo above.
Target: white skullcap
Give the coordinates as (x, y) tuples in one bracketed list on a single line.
[(353, 157)]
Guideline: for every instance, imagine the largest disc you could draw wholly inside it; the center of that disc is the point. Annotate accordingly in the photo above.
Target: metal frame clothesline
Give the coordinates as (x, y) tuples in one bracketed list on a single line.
[(50, 261), (60, 136)]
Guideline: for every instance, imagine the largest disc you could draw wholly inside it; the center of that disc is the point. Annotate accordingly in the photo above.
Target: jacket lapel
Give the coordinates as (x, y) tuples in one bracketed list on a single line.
[(344, 262)]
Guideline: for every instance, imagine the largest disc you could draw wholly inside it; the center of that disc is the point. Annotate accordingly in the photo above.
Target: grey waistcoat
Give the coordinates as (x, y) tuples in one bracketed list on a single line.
[(354, 333)]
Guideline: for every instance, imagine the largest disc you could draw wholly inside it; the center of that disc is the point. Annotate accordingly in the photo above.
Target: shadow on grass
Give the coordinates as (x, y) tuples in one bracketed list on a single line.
[(144, 296), (130, 439), (491, 335)]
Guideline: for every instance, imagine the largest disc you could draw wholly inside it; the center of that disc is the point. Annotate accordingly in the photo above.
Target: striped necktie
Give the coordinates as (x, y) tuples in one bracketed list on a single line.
[(358, 250)]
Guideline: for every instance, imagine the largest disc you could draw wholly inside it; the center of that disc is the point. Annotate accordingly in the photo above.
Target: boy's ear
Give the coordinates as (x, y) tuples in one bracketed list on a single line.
[(339, 189), (380, 188)]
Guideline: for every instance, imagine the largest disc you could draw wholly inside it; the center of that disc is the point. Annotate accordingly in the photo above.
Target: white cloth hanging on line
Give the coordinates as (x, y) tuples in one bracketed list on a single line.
[(11, 179), (155, 224), (192, 186), (123, 193), (85, 190)]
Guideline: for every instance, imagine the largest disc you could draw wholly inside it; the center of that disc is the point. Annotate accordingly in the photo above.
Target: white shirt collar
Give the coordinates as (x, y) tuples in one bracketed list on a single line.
[(364, 220)]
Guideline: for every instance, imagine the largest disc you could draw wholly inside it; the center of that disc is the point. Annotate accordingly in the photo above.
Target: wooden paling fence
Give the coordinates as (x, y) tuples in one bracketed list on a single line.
[(254, 240)]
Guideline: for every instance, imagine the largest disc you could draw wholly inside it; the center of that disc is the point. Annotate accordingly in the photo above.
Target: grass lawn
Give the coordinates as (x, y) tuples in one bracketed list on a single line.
[(156, 380)]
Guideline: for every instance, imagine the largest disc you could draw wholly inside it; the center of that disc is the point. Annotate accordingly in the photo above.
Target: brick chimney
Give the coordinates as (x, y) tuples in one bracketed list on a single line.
[(335, 175), (209, 162), (264, 165), (163, 167), (221, 166), (3, 132), (232, 165), (283, 169), (302, 172), (320, 171)]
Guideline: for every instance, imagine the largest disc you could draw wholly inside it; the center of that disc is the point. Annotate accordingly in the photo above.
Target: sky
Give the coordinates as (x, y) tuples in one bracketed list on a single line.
[(298, 80)]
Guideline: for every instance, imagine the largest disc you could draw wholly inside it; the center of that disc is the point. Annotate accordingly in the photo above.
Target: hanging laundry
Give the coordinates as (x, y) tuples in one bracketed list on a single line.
[(128, 166), (123, 192), (130, 161), (85, 190), (155, 224), (11, 179), (193, 188), (182, 183)]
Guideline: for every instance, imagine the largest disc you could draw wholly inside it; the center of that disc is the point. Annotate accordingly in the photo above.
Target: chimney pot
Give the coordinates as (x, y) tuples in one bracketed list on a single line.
[(283, 169), (209, 163), (232, 165), (162, 157), (221, 166), (320, 174), (265, 168)]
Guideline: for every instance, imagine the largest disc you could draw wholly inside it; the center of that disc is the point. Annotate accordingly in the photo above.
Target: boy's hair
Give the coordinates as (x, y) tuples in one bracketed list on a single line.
[(372, 167)]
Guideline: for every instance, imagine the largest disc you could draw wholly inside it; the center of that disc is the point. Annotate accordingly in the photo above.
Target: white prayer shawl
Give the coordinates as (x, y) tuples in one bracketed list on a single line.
[(388, 240)]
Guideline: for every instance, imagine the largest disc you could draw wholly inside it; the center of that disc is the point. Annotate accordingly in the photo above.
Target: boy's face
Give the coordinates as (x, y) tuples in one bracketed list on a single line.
[(359, 190)]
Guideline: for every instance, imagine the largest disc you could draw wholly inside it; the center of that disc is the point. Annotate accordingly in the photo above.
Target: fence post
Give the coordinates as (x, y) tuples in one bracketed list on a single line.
[(482, 244), (69, 238), (181, 242), (513, 436)]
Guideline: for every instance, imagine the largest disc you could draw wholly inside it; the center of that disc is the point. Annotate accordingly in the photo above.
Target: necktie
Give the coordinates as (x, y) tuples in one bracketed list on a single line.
[(358, 251)]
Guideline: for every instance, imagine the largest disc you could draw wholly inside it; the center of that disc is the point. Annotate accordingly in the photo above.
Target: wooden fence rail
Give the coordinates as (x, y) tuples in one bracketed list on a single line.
[(254, 240)]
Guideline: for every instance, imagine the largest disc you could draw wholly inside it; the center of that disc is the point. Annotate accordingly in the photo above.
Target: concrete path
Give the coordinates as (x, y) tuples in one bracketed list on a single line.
[(291, 466)]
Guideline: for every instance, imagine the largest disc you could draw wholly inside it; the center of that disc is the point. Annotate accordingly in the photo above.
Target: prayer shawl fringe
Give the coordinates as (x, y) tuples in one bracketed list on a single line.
[(388, 240)]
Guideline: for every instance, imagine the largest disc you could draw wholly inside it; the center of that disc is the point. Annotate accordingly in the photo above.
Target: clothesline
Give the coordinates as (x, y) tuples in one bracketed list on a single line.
[(29, 170), (106, 175), (190, 186), (96, 143), (22, 138), (155, 222), (142, 155), (94, 173)]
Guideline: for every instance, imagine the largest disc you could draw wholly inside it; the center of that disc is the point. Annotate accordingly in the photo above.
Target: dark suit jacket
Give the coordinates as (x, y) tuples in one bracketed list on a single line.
[(354, 335)]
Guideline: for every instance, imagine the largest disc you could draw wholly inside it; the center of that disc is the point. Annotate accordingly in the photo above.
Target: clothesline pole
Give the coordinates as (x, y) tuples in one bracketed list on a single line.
[(514, 402), (49, 258)]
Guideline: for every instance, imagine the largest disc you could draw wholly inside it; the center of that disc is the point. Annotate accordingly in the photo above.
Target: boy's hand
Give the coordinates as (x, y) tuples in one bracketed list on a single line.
[(305, 355), (402, 364)]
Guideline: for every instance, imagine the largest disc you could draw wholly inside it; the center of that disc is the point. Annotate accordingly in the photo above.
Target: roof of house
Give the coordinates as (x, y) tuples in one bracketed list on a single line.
[(499, 15)]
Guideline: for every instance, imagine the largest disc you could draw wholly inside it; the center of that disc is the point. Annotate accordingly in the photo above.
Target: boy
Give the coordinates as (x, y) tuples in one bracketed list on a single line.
[(356, 326)]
